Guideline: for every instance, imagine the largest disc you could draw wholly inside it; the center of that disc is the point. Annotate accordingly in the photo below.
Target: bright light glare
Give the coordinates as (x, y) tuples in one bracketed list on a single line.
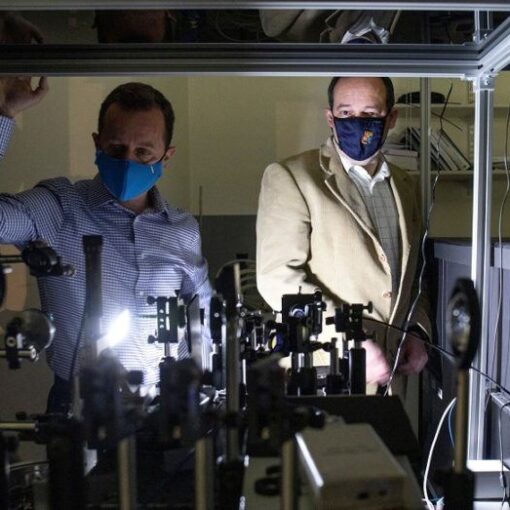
[(118, 330)]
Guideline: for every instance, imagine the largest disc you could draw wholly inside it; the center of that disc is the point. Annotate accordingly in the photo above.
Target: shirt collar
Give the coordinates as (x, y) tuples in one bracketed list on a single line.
[(99, 195), (383, 172)]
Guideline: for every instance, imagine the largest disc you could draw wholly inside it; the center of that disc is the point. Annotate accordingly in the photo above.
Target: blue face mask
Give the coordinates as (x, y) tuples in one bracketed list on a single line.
[(360, 137), (126, 179)]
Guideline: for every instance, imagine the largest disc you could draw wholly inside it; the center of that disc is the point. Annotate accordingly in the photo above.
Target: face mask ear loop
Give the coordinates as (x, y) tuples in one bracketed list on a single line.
[(160, 160)]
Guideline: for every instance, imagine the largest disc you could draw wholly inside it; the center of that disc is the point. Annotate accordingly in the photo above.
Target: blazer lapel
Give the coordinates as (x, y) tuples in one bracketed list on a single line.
[(404, 200), (342, 187)]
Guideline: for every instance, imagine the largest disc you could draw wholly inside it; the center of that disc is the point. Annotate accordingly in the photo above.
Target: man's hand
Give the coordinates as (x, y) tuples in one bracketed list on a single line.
[(16, 94), (14, 29), (377, 366), (413, 356)]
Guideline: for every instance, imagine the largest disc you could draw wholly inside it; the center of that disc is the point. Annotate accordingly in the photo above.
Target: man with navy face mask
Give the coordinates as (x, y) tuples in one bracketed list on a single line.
[(149, 248), (342, 219)]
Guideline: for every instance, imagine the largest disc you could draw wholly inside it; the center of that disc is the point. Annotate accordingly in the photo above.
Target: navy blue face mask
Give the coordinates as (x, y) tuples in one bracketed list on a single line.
[(127, 179), (360, 137)]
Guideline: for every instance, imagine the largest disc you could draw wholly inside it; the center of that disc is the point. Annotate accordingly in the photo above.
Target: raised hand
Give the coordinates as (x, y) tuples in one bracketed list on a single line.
[(14, 29), (17, 94)]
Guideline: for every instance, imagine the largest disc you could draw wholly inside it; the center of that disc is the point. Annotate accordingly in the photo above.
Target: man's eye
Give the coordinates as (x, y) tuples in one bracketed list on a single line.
[(115, 150), (344, 113)]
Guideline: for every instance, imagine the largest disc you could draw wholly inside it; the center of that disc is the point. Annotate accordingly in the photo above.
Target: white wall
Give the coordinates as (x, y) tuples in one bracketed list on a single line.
[(227, 130), (238, 125)]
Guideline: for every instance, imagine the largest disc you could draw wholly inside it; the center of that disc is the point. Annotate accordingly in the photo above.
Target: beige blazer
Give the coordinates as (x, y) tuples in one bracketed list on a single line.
[(314, 231)]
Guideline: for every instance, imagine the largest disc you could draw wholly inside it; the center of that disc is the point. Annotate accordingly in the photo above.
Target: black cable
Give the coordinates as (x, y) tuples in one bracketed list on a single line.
[(441, 350), (423, 245)]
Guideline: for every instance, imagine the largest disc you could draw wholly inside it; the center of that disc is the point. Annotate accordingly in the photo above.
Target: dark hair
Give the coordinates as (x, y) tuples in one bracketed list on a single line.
[(135, 96), (388, 84)]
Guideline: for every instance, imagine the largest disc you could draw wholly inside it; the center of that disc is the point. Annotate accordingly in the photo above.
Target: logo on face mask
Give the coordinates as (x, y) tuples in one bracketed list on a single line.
[(126, 179), (367, 137), (360, 137)]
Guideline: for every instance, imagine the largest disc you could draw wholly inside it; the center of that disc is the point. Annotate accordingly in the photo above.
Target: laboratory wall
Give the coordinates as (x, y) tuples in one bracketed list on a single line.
[(228, 129)]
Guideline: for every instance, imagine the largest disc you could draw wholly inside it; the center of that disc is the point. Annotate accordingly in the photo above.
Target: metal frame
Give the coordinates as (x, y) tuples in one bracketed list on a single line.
[(408, 5), (425, 150), (242, 59), (480, 261), (478, 62), (468, 61)]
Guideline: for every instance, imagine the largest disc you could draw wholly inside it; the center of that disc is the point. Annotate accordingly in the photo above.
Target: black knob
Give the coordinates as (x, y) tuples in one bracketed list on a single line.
[(135, 377)]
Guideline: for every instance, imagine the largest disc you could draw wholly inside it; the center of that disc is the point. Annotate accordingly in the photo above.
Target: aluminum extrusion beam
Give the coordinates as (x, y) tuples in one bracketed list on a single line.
[(483, 25), (425, 126), (407, 5), (241, 59), (495, 52), (480, 261)]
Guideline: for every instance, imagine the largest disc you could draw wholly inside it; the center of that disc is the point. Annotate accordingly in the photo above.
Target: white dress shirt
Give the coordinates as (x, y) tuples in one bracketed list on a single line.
[(380, 203)]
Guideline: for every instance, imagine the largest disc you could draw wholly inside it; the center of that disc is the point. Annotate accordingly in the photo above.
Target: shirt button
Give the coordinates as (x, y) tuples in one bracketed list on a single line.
[(386, 295), (141, 293), (382, 257)]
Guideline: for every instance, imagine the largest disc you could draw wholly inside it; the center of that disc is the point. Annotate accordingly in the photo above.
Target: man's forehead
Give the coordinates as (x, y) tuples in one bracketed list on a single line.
[(353, 88), (120, 125), (119, 118)]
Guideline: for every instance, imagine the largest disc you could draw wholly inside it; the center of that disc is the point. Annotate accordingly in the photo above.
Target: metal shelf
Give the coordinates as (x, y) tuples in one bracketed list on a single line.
[(460, 175), (459, 110)]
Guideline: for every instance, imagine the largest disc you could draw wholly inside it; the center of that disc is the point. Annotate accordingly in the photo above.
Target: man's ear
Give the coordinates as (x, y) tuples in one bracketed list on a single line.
[(95, 138), (392, 118), (169, 153), (329, 118)]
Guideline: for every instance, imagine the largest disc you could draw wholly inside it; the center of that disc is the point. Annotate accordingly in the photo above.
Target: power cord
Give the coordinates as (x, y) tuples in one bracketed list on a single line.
[(448, 411), (450, 426), (450, 356), (423, 246), (429, 503)]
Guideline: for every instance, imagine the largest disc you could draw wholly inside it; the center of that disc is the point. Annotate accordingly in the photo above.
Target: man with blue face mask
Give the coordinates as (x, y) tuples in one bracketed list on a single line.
[(342, 219), (149, 248)]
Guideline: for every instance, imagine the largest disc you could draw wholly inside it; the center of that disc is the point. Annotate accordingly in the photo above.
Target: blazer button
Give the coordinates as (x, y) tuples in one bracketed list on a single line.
[(387, 295)]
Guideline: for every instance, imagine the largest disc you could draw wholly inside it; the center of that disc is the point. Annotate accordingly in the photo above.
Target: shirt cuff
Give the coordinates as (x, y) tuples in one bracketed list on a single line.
[(6, 129)]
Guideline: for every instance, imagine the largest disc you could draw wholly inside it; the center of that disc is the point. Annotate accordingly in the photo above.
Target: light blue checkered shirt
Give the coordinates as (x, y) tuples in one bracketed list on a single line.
[(381, 206), (154, 253)]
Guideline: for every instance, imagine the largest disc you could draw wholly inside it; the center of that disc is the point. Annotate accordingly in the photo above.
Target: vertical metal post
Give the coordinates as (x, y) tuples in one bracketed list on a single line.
[(425, 127), (204, 474), (461, 422), (4, 473), (289, 498), (232, 384), (480, 261), (483, 25), (126, 473)]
